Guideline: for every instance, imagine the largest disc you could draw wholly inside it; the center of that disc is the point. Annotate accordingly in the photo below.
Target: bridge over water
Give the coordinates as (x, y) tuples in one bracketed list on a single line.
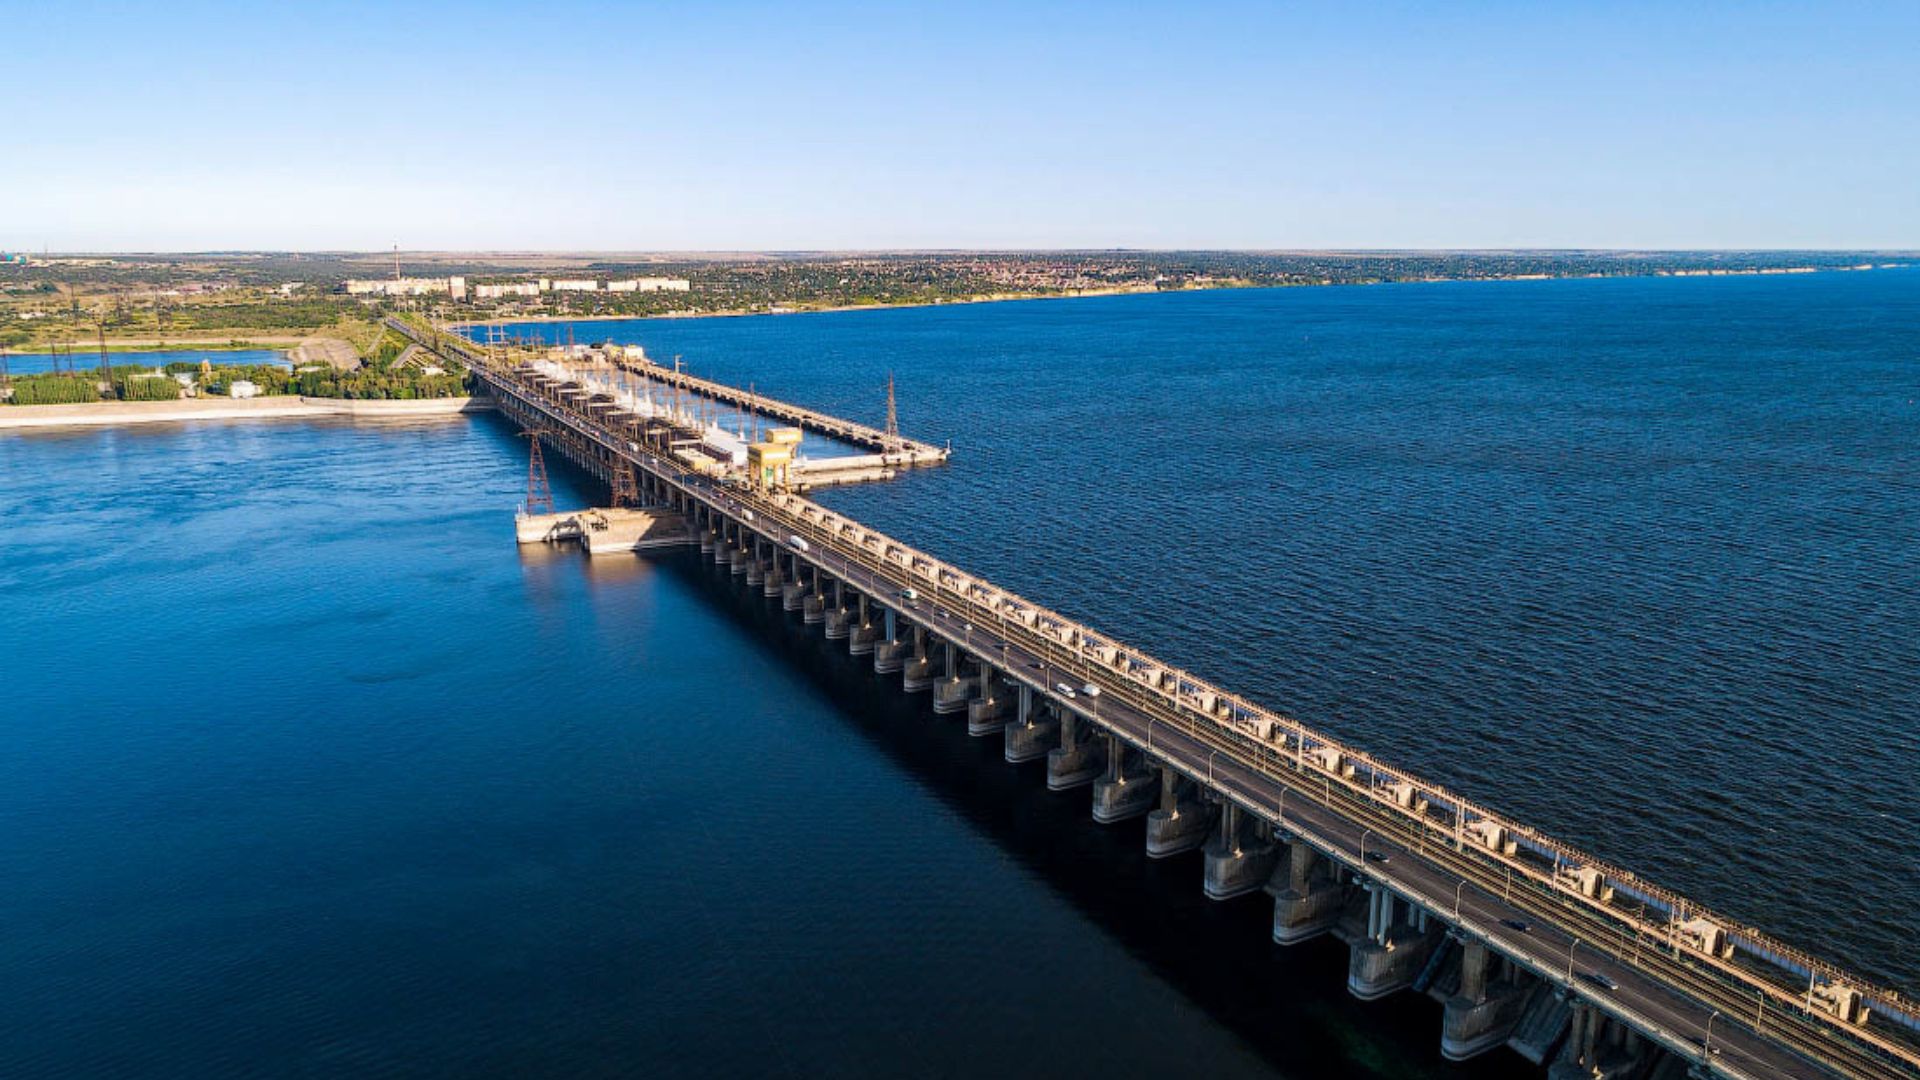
[(1576, 963)]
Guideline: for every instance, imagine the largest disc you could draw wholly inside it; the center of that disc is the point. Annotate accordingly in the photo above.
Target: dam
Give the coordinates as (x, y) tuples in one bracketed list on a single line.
[(1575, 964)]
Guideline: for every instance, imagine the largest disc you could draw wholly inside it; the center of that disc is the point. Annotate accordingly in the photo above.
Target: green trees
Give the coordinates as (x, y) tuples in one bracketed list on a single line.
[(50, 389)]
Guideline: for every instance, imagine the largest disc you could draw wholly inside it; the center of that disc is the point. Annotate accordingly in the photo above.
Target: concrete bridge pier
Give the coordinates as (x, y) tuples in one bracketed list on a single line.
[(839, 615), (1127, 788), (890, 653), (1076, 760), (707, 540), (756, 565), (954, 691), (793, 590), (1031, 732), (740, 559), (863, 635), (1239, 856), (1598, 1047), (918, 670), (1482, 1013), (814, 608), (987, 713), (1395, 949), (1182, 820), (776, 582), (1307, 897)]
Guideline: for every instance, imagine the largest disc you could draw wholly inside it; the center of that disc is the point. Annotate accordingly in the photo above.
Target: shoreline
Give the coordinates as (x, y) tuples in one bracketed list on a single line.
[(286, 407), (1085, 294)]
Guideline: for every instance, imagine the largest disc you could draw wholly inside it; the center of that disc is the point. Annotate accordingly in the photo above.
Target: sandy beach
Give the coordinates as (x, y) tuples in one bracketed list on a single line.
[(118, 413)]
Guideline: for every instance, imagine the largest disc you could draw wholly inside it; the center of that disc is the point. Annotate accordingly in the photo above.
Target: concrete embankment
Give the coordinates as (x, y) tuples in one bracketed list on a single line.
[(117, 413)]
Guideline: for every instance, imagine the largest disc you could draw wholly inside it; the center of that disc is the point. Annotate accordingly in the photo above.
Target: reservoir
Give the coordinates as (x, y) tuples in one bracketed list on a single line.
[(312, 771)]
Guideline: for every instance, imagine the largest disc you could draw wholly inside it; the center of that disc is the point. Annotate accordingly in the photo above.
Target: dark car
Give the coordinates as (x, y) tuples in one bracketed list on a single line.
[(1378, 856), (1516, 925), (1599, 980)]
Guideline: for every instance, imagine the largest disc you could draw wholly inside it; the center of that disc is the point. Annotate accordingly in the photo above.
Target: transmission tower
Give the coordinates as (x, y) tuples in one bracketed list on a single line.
[(539, 494), (893, 418), (626, 490), (106, 369)]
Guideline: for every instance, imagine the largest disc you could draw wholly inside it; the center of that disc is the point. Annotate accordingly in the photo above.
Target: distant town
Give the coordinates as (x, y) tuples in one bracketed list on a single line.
[(331, 304)]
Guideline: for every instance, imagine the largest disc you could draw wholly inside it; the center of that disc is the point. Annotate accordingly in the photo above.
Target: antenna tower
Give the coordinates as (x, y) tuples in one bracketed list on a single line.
[(626, 490), (539, 494), (893, 418), (106, 369)]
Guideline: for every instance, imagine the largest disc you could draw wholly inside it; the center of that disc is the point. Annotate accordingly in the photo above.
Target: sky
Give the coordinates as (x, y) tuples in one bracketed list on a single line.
[(707, 125)]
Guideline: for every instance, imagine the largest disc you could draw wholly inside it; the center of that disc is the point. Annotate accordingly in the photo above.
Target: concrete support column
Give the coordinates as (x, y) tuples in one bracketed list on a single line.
[(1074, 762), (1473, 971), (1305, 905), (1481, 1015), (1236, 863), (918, 671), (1178, 824), (1030, 734), (1123, 792), (987, 713)]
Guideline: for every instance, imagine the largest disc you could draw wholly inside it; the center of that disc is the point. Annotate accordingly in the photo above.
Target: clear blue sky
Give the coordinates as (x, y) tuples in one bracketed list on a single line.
[(546, 124)]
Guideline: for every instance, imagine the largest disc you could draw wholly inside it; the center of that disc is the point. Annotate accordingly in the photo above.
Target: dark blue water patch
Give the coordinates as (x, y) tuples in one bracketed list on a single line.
[(89, 360)]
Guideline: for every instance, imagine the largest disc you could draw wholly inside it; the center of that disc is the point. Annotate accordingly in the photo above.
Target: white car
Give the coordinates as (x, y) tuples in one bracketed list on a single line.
[(1064, 690), (798, 544), (1090, 690)]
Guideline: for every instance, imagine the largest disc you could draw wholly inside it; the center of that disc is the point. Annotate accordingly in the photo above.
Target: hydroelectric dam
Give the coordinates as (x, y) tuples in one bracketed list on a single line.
[(1578, 965)]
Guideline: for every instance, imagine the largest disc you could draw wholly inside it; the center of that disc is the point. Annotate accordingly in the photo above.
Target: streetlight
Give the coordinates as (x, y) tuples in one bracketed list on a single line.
[(1457, 890), (1364, 833), (1706, 1044), (1570, 948)]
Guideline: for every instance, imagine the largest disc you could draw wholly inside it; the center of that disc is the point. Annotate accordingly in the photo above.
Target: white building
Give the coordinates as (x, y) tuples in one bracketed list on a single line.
[(577, 285), (650, 284), (496, 292), (406, 286), (242, 388)]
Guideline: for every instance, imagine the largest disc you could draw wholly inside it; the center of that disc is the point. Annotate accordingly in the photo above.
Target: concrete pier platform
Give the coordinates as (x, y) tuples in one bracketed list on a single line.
[(1376, 969), (890, 656), (1481, 1012), (791, 595), (987, 714), (1307, 901), (1126, 789), (1077, 760), (1181, 822), (839, 623), (1031, 740), (605, 531), (813, 610), (860, 639), (917, 674), (1239, 859), (952, 694)]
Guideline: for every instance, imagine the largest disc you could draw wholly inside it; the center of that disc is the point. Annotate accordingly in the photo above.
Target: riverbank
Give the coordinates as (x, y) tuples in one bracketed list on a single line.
[(1135, 290), (808, 309), (119, 413)]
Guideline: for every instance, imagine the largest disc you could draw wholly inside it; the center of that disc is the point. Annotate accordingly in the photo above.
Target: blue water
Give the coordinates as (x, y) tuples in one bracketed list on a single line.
[(31, 363), (309, 771)]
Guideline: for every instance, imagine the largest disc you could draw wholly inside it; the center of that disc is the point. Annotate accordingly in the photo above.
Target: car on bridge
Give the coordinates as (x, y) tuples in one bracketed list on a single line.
[(1064, 691), (798, 544), (1597, 979)]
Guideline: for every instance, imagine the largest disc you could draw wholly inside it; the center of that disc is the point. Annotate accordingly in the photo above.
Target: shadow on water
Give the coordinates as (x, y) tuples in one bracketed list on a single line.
[(1290, 1006)]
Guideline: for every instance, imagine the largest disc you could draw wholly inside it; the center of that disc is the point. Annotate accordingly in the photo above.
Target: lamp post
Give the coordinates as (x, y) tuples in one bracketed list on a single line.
[(1364, 833), (1457, 889), (1570, 948), (1706, 1044)]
